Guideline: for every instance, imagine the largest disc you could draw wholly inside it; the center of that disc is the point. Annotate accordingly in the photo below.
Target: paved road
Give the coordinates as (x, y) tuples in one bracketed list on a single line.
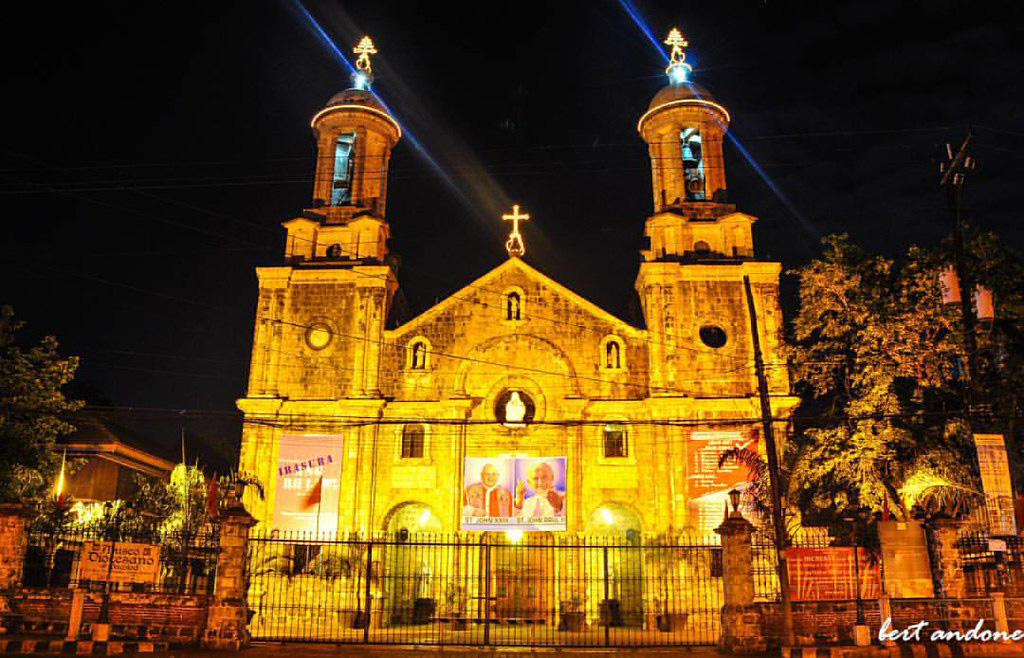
[(331, 651)]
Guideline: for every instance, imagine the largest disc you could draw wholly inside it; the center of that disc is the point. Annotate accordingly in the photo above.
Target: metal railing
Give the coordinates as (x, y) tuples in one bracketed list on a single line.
[(187, 561), (482, 589), (988, 567)]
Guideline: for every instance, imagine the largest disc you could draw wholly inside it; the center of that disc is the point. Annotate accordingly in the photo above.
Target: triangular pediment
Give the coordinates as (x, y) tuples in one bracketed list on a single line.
[(488, 283)]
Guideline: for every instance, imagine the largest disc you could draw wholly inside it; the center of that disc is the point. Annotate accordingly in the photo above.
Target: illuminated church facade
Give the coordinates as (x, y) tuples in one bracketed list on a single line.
[(513, 364)]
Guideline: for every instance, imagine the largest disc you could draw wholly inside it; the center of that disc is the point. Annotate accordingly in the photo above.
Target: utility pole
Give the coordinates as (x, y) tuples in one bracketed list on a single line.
[(774, 473), (978, 415), (954, 172)]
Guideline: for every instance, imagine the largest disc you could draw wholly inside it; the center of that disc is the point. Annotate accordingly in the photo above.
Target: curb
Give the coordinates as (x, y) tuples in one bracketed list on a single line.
[(949, 650), (82, 647)]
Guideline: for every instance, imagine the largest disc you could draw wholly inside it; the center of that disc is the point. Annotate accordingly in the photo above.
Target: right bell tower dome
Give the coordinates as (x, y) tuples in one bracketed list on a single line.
[(684, 127)]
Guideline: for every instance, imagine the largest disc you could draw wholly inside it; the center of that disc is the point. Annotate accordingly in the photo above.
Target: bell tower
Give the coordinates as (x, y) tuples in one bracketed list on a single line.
[(700, 249), (684, 127), (354, 135)]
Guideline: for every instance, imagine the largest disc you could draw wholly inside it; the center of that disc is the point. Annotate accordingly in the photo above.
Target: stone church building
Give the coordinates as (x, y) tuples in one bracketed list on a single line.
[(640, 413)]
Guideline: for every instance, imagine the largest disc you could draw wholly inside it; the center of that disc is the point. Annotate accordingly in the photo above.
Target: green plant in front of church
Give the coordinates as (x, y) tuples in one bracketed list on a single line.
[(32, 404)]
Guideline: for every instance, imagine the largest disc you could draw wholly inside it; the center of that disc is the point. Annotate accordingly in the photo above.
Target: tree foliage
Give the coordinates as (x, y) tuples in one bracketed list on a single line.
[(879, 361), (31, 406)]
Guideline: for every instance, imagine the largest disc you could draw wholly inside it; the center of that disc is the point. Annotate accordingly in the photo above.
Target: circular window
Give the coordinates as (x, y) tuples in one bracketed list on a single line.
[(514, 409), (318, 336), (713, 336)]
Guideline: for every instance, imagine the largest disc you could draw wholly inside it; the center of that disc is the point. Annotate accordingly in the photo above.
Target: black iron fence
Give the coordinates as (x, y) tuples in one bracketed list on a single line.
[(485, 589), (146, 560), (992, 564)]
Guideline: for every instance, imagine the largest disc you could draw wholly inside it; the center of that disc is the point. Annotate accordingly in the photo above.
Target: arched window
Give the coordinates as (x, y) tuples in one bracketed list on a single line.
[(334, 251), (419, 354), (701, 247), (412, 441), (615, 440), (344, 167), (693, 163), (513, 306), (612, 355)]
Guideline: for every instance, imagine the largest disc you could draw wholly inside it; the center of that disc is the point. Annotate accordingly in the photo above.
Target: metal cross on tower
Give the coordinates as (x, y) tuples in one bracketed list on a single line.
[(514, 245), (363, 75), (678, 70)]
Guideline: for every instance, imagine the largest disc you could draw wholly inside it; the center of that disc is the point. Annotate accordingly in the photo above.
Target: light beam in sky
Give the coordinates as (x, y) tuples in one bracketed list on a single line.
[(805, 224), (417, 145)]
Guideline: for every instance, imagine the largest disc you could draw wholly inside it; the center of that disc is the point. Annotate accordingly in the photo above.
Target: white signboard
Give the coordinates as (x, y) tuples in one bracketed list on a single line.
[(133, 563), (995, 480)]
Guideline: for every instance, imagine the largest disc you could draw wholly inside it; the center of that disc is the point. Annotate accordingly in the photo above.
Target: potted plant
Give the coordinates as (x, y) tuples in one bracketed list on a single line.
[(571, 615)]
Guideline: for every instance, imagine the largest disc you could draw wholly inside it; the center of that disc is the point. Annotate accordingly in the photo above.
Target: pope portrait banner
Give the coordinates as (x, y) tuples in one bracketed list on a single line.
[(308, 483), (514, 493)]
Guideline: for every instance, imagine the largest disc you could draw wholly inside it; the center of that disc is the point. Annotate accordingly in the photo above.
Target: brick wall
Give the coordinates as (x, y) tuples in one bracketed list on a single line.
[(161, 616), (819, 622), (958, 615)]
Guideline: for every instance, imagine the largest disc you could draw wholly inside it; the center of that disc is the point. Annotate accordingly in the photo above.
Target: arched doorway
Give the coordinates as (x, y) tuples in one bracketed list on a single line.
[(410, 577), (621, 526)]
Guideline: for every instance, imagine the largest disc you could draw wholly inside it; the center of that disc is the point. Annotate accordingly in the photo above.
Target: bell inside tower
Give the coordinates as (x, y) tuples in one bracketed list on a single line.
[(344, 166), (693, 164)]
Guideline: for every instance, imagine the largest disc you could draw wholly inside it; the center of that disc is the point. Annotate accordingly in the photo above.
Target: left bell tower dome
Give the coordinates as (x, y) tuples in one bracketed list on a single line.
[(355, 134)]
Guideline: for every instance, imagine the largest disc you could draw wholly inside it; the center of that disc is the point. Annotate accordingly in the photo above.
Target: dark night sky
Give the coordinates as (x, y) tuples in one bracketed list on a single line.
[(149, 157)]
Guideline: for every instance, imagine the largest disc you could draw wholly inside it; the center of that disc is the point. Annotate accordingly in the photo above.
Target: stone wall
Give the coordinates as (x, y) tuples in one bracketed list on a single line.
[(141, 615), (957, 615), (819, 622)]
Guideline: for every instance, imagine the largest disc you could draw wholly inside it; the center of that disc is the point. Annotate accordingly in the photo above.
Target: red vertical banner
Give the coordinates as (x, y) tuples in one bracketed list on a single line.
[(308, 483), (830, 574), (707, 485)]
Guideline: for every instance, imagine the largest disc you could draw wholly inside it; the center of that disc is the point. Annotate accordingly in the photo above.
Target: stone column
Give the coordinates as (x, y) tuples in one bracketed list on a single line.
[(742, 621), (14, 521), (947, 569), (227, 617)]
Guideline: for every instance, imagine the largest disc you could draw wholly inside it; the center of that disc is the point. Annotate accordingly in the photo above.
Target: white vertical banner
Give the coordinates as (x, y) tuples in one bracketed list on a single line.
[(308, 483), (995, 480)]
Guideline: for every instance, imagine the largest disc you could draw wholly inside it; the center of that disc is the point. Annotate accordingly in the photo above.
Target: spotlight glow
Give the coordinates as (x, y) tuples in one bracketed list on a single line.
[(424, 517), (416, 143), (606, 515), (805, 225), (515, 536)]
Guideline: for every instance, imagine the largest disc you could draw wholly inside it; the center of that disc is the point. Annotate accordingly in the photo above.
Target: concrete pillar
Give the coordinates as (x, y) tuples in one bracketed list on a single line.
[(742, 621), (227, 618), (1002, 622), (947, 569), (14, 521)]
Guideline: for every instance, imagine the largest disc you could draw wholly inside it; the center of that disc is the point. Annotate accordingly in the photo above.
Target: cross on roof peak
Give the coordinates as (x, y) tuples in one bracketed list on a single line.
[(514, 245)]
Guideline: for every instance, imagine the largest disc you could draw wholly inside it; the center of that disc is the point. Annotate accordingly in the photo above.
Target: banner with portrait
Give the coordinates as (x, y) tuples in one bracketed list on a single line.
[(514, 493), (308, 483)]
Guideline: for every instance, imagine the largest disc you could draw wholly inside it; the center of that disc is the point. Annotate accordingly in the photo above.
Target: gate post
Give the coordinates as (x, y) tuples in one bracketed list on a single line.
[(947, 567), (227, 617), (14, 521), (742, 621)]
